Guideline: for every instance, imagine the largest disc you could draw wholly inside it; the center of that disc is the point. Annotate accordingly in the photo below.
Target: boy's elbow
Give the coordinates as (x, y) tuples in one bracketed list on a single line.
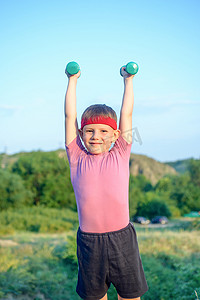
[(70, 116)]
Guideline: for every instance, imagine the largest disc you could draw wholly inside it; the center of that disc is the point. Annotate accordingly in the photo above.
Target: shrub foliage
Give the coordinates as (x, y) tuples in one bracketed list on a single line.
[(43, 179)]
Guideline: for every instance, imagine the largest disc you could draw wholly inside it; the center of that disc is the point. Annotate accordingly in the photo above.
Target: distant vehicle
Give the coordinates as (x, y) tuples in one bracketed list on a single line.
[(160, 220), (141, 220)]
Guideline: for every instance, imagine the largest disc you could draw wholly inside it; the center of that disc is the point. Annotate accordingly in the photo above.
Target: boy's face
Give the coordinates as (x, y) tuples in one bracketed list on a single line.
[(98, 138)]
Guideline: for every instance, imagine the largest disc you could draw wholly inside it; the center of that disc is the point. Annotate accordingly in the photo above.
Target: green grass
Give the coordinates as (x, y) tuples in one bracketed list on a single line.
[(36, 265), (37, 219), (171, 263)]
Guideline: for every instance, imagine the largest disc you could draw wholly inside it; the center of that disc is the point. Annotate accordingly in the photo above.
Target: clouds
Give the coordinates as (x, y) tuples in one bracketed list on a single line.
[(9, 110), (169, 101)]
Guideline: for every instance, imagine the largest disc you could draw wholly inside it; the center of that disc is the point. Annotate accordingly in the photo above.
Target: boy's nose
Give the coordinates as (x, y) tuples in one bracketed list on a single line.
[(95, 135)]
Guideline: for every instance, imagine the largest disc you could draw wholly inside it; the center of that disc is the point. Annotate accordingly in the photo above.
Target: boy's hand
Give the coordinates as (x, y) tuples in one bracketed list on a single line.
[(125, 74), (75, 76)]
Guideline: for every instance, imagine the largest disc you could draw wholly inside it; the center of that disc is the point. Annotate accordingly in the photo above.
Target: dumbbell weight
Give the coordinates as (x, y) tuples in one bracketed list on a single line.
[(131, 68), (72, 68)]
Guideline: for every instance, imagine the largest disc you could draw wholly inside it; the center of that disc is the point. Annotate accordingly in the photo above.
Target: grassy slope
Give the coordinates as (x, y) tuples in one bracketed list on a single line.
[(43, 266), (37, 219)]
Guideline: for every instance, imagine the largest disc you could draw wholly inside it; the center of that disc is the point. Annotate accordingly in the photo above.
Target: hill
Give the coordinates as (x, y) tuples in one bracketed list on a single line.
[(149, 167), (181, 166)]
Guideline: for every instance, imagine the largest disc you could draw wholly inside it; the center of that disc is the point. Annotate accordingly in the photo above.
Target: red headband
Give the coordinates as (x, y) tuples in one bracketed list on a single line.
[(99, 120)]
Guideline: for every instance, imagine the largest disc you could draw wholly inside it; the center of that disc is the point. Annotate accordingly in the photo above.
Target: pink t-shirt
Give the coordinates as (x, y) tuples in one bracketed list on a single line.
[(101, 185)]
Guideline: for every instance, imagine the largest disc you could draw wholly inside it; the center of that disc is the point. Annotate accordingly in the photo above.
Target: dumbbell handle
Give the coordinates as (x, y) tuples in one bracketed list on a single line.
[(131, 68), (72, 68)]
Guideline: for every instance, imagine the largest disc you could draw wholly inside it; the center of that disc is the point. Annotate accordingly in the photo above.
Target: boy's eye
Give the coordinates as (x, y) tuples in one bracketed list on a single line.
[(90, 130)]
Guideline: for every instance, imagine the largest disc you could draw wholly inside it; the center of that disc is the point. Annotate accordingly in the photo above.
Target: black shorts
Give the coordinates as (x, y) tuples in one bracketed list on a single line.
[(105, 258)]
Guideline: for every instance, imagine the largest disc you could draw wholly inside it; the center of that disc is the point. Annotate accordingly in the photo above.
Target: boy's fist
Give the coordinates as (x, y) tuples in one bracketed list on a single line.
[(73, 76), (123, 72), (129, 70), (72, 69)]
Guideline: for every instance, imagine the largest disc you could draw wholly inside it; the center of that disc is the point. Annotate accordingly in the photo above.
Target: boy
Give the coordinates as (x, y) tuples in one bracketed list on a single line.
[(107, 248)]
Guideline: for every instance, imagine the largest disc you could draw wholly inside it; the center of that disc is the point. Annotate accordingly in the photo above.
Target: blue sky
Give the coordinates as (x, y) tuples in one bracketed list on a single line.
[(38, 39)]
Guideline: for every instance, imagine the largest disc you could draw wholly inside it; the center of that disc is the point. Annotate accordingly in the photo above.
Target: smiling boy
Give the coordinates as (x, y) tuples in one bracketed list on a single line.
[(107, 247)]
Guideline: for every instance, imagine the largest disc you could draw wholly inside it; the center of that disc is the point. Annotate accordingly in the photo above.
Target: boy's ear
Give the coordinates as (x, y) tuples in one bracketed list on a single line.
[(117, 133), (80, 132)]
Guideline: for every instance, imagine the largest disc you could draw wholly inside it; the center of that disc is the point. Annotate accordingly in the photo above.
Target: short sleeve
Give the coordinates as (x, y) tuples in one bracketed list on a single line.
[(122, 147), (74, 150)]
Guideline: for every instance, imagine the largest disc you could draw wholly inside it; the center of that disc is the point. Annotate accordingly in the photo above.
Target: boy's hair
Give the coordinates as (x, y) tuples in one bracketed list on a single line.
[(99, 110)]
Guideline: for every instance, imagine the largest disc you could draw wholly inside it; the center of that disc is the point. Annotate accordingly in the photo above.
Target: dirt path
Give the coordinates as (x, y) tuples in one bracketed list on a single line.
[(7, 243)]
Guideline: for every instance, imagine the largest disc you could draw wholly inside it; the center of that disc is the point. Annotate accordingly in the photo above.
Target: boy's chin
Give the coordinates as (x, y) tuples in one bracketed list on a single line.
[(96, 151)]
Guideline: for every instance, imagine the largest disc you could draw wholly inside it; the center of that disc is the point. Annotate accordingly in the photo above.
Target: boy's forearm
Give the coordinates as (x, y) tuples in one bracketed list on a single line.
[(70, 98), (128, 97)]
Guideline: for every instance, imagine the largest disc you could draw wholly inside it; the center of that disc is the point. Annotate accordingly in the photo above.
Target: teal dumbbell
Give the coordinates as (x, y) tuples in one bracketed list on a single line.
[(131, 68), (72, 68)]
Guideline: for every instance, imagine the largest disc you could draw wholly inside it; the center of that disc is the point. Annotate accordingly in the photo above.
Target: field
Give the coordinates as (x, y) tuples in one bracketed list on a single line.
[(42, 265)]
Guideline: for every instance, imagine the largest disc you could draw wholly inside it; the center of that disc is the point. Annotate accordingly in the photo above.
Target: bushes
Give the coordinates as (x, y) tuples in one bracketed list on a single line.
[(153, 208), (138, 188), (43, 179), (38, 178), (12, 191), (36, 219)]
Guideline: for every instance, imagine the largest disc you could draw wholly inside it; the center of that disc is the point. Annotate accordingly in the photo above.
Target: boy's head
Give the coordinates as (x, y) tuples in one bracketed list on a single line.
[(99, 128)]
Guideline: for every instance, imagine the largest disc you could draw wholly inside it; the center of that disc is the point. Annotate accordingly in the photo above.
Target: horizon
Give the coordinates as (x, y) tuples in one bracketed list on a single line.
[(62, 149)]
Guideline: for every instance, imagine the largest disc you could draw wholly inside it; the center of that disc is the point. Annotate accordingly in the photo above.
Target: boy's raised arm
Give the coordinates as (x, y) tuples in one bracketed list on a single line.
[(125, 122), (71, 124)]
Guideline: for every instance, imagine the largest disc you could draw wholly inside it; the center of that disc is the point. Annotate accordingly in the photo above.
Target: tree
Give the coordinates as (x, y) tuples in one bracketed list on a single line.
[(138, 186), (141, 182), (12, 191), (153, 208), (164, 185), (185, 193), (47, 176), (56, 193), (194, 170)]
